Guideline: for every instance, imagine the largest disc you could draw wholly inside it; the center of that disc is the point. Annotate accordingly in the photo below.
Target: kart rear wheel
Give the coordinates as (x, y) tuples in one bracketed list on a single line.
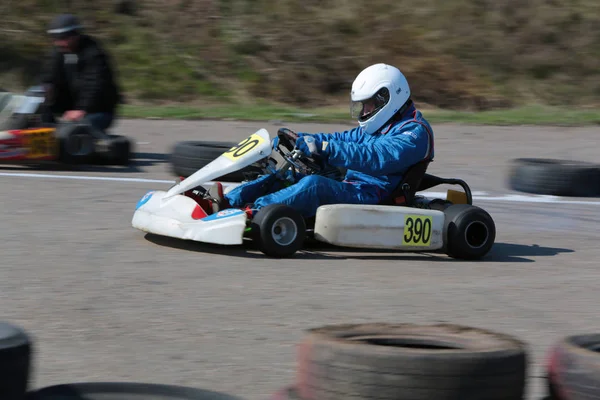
[(469, 232), (278, 230), (120, 149)]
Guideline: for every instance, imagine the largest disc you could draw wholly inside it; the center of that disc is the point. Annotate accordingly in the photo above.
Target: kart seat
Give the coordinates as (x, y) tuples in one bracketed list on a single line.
[(404, 193)]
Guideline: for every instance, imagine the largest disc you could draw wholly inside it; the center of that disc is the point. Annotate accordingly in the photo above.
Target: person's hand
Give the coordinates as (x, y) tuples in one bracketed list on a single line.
[(307, 145), (73, 115)]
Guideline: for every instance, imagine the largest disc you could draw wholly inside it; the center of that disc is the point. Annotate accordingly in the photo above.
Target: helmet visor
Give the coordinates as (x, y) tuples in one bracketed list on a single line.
[(365, 109)]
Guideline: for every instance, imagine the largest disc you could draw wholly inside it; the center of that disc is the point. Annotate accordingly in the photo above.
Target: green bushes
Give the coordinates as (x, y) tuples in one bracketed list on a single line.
[(460, 54)]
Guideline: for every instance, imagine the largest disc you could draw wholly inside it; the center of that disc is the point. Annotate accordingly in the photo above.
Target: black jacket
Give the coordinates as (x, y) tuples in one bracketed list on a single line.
[(87, 83)]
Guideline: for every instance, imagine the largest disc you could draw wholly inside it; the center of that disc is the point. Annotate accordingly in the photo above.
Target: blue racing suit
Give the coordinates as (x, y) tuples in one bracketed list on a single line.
[(375, 167)]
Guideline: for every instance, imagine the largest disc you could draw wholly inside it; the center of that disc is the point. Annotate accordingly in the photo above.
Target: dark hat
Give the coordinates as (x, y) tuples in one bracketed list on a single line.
[(64, 24)]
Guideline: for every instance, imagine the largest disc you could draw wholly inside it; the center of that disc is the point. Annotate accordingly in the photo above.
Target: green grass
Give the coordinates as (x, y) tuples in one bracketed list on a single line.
[(251, 113), (529, 115), (478, 55)]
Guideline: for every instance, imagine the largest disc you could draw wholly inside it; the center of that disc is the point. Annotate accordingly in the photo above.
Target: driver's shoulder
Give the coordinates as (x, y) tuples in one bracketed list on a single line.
[(413, 127)]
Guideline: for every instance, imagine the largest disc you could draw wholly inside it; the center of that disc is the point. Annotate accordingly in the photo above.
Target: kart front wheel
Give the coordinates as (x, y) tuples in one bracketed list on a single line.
[(278, 230)]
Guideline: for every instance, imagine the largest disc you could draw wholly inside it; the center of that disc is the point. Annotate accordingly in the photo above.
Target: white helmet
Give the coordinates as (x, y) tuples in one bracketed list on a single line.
[(378, 92)]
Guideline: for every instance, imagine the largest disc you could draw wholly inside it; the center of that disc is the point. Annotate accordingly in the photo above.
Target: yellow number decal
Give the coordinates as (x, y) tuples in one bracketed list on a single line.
[(243, 147), (417, 230), (41, 143)]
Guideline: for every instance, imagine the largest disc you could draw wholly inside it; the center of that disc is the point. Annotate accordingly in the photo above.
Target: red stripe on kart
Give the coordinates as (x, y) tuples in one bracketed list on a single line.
[(198, 212)]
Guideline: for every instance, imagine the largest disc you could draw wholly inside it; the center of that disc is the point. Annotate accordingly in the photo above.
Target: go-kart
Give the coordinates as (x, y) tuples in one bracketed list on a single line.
[(404, 221), (25, 137)]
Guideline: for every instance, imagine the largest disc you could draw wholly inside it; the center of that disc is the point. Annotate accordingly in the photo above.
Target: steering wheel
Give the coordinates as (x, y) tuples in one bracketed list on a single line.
[(287, 138), (307, 165)]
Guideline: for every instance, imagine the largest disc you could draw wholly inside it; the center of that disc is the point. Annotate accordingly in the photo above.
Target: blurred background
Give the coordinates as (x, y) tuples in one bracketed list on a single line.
[(458, 54)]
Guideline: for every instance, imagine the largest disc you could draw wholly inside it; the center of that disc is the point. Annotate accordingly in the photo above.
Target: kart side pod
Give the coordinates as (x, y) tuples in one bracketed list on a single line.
[(380, 227), (462, 231)]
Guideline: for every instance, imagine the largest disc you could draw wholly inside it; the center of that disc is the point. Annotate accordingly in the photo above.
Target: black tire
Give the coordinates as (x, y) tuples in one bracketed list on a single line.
[(554, 177), (574, 368), (410, 362), (113, 150), (268, 220), (15, 361), (189, 156), (469, 232), (120, 149), (124, 390), (76, 143)]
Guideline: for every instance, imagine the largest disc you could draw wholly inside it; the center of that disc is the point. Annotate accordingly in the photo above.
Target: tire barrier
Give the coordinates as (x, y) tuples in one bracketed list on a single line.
[(124, 390), (410, 362), (554, 177), (573, 368), (371, 361), (15, 361)]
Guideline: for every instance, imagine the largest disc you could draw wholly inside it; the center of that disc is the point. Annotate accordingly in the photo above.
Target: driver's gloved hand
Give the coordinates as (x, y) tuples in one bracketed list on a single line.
[(311, 146), (307, 145)]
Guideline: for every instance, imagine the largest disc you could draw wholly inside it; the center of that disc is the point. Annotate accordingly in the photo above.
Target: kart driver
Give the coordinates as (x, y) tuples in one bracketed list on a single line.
[(391, 137), (78, 78)]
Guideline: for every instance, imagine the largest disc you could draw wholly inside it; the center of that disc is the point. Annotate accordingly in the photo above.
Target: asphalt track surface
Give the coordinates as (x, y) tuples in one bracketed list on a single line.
[(105, 302)]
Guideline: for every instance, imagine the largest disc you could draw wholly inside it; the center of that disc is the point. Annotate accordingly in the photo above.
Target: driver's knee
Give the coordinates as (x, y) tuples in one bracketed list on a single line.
[(312, 180), (247, 192), (317, 183)]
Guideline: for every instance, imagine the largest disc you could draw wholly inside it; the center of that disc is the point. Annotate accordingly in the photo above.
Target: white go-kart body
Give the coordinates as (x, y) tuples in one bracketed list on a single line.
[(171, 213)]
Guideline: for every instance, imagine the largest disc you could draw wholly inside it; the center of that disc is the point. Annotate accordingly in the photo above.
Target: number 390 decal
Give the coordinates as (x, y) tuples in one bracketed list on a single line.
[(243, 147), (417, 230)]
